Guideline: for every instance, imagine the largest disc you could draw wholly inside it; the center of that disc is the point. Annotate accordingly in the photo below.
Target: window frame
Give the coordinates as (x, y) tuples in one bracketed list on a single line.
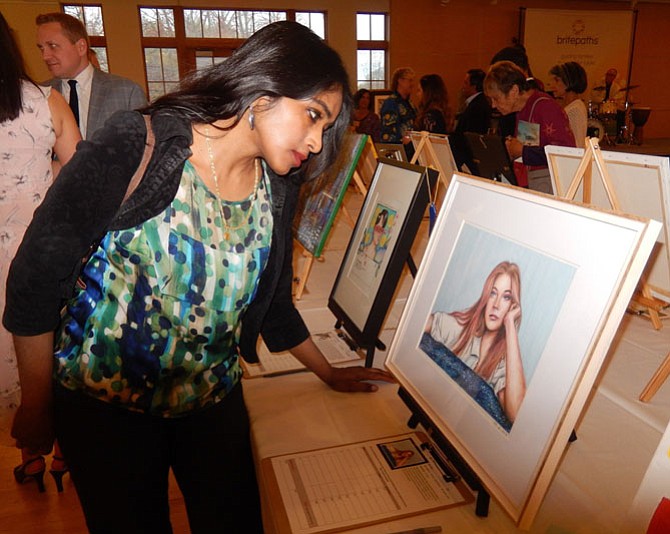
[(94, 41), (370, 45)]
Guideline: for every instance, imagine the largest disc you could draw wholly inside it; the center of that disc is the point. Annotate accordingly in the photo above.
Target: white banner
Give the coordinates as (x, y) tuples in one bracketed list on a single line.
[(597, 40)]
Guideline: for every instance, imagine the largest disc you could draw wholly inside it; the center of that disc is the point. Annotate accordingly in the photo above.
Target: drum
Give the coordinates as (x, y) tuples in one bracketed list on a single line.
[(608, 107), (595, 128)]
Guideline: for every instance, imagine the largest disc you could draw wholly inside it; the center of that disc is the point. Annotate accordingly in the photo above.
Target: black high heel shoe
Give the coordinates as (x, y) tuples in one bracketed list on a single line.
[(22, 477), (58, 473)]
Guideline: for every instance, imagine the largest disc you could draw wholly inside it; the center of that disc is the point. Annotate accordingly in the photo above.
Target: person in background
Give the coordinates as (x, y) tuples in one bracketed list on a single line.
[(93, 95), (142, 373), (506, 125), (568, 81), (434, 112), (475, 117), (365, 120), (397, 113), (609, 89), (540, 121), (34, 122)]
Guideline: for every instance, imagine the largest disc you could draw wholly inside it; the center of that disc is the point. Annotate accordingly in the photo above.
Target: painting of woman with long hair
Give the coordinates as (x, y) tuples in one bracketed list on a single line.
[(484, 337)]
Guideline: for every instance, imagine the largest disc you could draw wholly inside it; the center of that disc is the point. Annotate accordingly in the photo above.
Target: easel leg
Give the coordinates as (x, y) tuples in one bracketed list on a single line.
[(482, 504), (370, 356), (657, 380), (652, 307), (302, 279), (348, 216), (411, 265)]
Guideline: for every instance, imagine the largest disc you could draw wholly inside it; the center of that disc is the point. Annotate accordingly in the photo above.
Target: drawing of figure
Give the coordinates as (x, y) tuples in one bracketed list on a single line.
[(485, 338), (376, 237)]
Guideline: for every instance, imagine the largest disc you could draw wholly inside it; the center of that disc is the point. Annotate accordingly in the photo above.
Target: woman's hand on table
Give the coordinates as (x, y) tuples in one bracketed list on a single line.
[(355, 379)]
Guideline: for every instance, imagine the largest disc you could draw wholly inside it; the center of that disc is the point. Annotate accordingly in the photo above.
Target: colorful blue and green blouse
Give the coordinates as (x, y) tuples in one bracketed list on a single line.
[(157, 326)]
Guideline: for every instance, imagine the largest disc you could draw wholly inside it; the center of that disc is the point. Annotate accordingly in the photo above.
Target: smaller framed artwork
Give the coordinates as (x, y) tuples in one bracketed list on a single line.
[(394, 151), (378, 97), (508, 323), (321, 198), (379, 247), (490, 156)]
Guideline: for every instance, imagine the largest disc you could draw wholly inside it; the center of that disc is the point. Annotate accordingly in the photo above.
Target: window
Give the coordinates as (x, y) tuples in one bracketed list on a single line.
[(314, 20), (162, 70), (372, 44), (178, 40), (161, 60), (91, 16), (222, 24)]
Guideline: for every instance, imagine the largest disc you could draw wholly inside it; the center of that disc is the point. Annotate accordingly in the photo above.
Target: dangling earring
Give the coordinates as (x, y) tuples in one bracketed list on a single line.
[(251, 118)]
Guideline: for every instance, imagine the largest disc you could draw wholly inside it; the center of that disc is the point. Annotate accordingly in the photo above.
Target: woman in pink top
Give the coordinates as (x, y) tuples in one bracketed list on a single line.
[(540, 121)]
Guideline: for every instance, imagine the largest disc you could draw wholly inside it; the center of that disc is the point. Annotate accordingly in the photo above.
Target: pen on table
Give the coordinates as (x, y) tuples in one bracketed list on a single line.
[(424, 530)]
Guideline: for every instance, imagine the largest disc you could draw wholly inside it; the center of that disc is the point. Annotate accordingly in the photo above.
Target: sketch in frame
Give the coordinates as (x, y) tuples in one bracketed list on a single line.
[(477, 331), (373, 246), (379, 247), (515, 447)]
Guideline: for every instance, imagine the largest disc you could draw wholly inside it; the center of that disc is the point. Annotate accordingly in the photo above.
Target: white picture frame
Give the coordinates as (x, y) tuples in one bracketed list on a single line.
[(642, 186), (578, 267)]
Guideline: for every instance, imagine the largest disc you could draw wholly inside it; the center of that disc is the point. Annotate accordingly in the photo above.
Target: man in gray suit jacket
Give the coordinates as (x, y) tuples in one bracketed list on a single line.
[(63, 42)]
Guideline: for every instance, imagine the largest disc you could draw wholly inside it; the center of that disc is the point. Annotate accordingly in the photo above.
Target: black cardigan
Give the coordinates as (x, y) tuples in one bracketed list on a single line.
[(85, 202)]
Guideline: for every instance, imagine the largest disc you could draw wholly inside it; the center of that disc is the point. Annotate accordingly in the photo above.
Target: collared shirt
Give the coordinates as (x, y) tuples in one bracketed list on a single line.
[(84, 81), (471, 98)]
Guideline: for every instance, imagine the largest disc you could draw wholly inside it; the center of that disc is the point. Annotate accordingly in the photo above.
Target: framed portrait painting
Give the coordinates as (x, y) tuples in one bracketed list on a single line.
[(508, 323), (379, 247)]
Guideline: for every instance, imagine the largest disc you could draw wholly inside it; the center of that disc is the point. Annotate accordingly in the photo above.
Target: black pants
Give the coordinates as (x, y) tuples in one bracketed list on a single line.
[(119, 463)]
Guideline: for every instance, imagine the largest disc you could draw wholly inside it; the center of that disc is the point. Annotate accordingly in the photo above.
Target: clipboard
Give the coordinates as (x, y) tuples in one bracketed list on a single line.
[(359, 484)]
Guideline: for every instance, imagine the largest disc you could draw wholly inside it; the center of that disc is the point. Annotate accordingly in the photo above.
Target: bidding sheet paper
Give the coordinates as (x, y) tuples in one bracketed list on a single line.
[(362, 483)]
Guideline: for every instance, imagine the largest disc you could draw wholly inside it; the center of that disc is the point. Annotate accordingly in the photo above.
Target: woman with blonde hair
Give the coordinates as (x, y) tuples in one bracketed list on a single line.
[(485, 335)]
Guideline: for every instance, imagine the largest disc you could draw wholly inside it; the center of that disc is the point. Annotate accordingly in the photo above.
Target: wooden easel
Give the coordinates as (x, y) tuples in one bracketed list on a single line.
[(425, 145), (301, 279), (584, 175), (656, 381)]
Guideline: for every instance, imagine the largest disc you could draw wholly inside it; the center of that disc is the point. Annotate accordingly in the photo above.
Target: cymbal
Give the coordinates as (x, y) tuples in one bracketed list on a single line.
[(602, 88)]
